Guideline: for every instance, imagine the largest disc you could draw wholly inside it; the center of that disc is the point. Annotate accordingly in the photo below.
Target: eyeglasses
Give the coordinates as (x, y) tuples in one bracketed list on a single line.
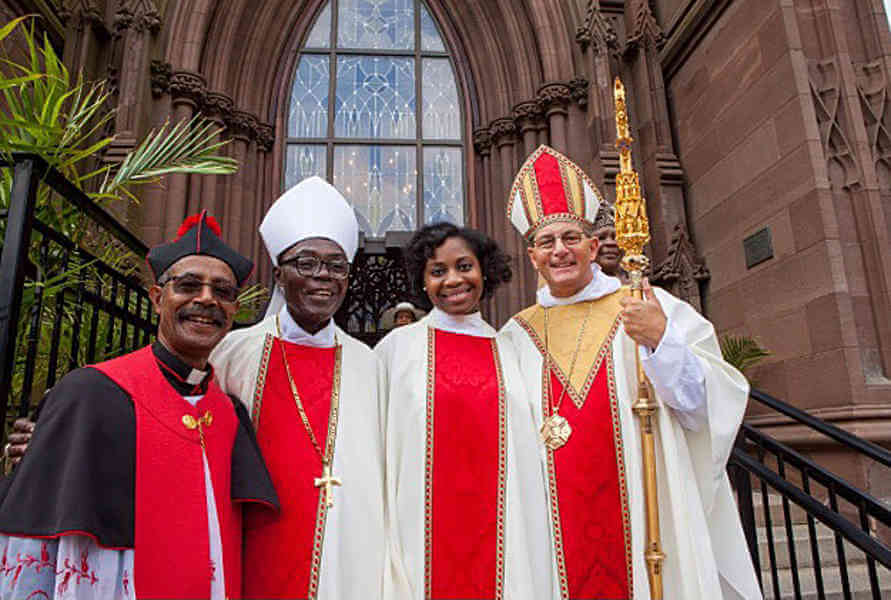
[(311, 266), (189, 285), (569, 239)]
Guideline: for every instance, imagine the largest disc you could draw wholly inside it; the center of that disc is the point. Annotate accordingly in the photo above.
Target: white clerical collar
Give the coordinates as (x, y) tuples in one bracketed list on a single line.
[(294, 333), (600, 285), (472, 324)]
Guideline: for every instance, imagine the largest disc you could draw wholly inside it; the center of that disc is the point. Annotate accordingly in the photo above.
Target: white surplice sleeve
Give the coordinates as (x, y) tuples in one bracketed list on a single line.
[(678, 377), (73, 567)]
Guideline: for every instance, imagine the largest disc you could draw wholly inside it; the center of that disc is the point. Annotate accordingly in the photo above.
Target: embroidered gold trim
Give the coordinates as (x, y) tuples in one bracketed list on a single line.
[(502, 475), (260, 384), (577, 397), (322, 510), (553, 497), (620, 468), (428, 471)]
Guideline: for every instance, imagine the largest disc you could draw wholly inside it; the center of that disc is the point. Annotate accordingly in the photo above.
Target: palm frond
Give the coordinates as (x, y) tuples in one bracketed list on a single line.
[(187, 147), (742, 351)]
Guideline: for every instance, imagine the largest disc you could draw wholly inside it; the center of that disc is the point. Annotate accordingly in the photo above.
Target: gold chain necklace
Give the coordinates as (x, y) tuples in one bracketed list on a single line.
[(555, 431), (327, 480)]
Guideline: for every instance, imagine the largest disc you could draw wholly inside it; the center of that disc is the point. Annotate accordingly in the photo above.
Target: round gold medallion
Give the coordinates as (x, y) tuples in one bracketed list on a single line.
[(555, 431)]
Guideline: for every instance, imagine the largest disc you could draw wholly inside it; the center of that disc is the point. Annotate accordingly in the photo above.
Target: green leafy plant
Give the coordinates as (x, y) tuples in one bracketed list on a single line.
[(742, 351), (47, 111)]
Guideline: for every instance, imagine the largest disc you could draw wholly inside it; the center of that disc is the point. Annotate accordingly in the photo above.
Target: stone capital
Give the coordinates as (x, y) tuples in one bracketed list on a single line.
[(265, 136), (482, 141), (503, 131), (554, 97), (188, 87)]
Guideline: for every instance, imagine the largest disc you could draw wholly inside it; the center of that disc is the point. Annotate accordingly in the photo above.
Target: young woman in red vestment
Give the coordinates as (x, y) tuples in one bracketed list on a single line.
[(457, 426)]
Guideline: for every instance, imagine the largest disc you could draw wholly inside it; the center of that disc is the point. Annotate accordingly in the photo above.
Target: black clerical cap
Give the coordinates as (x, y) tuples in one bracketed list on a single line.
[(199, 234)]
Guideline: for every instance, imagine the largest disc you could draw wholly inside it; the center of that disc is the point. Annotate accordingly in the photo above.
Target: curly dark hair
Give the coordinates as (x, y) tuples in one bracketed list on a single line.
[(494, 263)]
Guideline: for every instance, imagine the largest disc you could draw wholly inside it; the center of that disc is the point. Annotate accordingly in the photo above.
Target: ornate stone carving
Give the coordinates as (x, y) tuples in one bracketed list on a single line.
[(528, 115), (872, 88), (502, 130), (218, 105), (140, 15), (554, 96), (482, 141), (265, 136), (81, 13), (189, 86), (646, 32), (160, 74), (683, 270), (113, 80), (597, 32), (242, 124), (579, 90), (826, 93)]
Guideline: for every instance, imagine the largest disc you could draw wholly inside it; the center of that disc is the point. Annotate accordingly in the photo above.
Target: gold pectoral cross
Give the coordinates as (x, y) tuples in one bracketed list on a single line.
[(327, 481), (192, 423)]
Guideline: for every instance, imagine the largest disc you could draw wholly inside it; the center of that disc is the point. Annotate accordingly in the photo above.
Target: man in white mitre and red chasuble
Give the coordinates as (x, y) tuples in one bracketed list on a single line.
[(312, 393), (576, 352)]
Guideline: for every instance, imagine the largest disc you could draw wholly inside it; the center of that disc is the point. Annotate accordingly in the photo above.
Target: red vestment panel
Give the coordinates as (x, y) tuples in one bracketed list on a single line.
[(465, 479), (550, 184), (282, 558), (590, 509), (171, 540)]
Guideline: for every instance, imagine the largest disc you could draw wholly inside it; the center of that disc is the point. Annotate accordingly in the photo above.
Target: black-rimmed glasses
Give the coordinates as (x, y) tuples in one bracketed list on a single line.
[(311, 266)]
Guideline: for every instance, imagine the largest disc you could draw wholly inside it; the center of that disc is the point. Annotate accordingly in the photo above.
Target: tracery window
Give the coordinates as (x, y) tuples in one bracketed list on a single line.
[(375, 109)]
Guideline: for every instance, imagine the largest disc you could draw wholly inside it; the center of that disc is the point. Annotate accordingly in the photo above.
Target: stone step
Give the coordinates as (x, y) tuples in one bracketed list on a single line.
[(828, 554), (858, 577)]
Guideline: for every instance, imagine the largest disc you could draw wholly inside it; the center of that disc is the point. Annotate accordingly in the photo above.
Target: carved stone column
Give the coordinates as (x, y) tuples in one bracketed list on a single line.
[(187, 91), (529, 118), (240, 215), (553, 99), (598, 40), (661, 172)]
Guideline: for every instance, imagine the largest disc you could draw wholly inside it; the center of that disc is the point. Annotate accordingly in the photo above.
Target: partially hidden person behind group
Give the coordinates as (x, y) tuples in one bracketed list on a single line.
[(312, 393), (457, 423), (576, 348), (134, 480)]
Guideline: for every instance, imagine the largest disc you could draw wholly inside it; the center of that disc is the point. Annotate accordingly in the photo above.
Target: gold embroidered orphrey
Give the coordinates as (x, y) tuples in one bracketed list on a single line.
[(555, 431), (327, 480)]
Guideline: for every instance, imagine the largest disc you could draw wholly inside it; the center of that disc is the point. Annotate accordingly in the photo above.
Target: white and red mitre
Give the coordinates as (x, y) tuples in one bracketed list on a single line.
[(549, 188)]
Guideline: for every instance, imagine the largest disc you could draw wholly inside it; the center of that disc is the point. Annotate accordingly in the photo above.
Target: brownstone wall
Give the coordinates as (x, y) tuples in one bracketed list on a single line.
[(779, 116)]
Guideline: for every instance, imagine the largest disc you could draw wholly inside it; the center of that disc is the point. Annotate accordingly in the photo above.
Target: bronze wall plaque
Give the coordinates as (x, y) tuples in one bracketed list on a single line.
[(758, 247)]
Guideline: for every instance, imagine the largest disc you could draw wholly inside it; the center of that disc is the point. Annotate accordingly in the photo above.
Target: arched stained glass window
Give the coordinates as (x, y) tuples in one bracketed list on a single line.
[(375, 109)]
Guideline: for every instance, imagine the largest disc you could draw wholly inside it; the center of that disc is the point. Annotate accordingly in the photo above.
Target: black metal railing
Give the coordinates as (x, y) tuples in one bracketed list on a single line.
[(61, 305), (814, 535)]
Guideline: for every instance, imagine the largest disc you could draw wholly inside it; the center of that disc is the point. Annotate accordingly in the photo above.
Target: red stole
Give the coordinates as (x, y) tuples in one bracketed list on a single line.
[(589, 505), (465, 477), (284, 550), (171, 540)]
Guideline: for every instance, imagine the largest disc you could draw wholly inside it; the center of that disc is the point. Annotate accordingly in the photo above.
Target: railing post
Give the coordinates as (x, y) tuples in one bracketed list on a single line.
[(743, 483), (12, 270)]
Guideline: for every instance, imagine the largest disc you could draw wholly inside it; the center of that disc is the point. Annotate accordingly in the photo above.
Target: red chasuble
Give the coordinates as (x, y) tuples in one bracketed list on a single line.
[(589, 506), (171, 551), (284, 550), (465, 476)]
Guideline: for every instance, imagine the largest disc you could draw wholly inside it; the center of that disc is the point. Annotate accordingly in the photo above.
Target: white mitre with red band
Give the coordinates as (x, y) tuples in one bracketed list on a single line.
[(549, 188)]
